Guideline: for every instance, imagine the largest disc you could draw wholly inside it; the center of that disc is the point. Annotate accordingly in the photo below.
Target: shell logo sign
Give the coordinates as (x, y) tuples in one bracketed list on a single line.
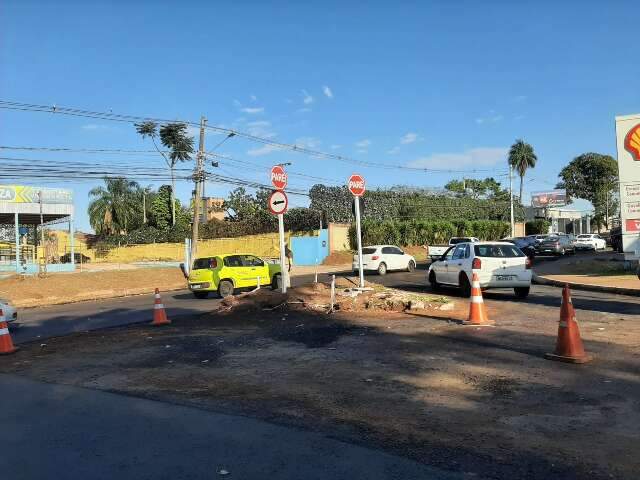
[(632, 142)]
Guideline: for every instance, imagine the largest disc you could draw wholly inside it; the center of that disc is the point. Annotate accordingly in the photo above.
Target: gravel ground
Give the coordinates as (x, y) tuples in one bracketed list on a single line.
[(482, 401)]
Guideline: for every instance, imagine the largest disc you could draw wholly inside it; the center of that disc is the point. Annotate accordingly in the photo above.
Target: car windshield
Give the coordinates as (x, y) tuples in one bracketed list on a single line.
[(503, 251), (369, 250)]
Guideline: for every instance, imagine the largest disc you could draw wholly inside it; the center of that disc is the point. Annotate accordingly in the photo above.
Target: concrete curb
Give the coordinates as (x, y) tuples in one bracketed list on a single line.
[(91, 297), (632, 292)]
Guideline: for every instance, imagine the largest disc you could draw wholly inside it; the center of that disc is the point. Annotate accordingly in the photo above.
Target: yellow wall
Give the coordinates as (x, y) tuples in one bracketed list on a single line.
[(339, 237)]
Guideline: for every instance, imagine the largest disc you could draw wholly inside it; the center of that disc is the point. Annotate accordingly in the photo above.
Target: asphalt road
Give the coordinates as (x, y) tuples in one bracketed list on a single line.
[(69, 433), (37, 324)]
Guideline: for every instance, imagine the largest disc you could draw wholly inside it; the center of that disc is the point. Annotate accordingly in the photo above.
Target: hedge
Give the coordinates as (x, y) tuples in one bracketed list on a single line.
[(539, 226), (423, 232)]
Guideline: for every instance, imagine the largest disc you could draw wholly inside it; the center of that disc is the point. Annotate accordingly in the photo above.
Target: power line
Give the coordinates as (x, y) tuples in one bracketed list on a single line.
[(9, 105)]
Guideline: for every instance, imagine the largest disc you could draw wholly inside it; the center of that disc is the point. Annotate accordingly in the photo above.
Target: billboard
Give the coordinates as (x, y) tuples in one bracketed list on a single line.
[(628, 148), (26, 194), (550, 198)]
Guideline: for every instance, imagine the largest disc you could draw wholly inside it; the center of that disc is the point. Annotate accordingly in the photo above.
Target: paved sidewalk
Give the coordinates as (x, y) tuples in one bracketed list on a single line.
[(63, 432)]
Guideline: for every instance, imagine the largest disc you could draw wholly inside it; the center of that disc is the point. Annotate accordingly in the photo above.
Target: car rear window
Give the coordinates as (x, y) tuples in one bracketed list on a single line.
[(368, 251), (500, 251), (584, 236), (201, 263)]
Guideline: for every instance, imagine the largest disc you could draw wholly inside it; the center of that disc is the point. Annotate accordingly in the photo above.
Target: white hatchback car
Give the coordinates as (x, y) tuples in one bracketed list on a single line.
[(8, 310), (382, 258), (499, 265), (590, 241)]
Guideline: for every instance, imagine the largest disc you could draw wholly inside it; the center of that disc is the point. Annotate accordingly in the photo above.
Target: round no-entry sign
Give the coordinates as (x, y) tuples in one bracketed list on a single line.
[(356, 185), (278, 177), (278, 202)]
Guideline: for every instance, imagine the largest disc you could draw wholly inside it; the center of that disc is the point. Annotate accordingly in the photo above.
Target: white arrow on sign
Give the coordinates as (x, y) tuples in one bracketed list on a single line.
[(278, 202)]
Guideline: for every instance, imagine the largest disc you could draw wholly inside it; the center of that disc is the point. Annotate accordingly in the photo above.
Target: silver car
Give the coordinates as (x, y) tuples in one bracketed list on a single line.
[(8, 310)]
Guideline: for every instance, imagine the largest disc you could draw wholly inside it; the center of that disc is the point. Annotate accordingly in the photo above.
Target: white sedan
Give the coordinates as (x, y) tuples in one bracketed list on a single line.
[(590, 241), (8, 310), (499, 265), (381, 258)]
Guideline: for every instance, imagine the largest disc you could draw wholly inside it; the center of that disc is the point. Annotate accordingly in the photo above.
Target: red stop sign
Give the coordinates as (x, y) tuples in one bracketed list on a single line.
[(278, 177), (356, 185)]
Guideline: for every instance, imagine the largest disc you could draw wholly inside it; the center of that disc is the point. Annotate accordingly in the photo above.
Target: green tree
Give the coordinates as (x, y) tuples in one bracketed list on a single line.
[(521, 158), (475, 188), (116, 207), (174, 137), (593, 177)]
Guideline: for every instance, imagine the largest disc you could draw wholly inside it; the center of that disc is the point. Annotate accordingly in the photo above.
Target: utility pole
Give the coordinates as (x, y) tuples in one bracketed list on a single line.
[(513, 223), (198, 178), (44, 254)]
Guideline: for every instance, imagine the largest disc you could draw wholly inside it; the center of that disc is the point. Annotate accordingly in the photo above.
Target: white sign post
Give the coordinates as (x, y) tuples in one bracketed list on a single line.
[(278, 204), (357, 188), (628, 147)]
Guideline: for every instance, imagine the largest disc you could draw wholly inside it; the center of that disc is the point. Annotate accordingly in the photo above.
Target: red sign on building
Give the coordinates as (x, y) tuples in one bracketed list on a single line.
[(633, 225)]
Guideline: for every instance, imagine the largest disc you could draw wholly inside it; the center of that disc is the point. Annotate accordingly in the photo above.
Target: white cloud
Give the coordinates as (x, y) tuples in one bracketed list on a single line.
[(304, 110), (252, 110), (519, 98), (366, 143), (393, 151), (519, 117), (237, 103), (327, 91), (409, 138), (335, 147), (474, 157), (254, 98), (95, 126), (307, 99), (264, 150), (361, 150), (259, 123), (308, 142), (492, 117)]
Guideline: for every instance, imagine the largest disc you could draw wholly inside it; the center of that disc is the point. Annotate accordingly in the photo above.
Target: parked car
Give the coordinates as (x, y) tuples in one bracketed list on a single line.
[(9, 311), (537, 239), (499, 265), (523, 243), (436, 251), (226, 273), (590, 241), (382, 258), (556, 244)]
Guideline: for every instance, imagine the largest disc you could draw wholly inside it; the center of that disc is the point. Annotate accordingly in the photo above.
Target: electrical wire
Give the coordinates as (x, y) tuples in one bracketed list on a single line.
[(9, 105)]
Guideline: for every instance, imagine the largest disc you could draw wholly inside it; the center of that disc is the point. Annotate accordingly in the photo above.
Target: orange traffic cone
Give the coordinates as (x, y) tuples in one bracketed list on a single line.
[(569, 344), (477, 311), (159, 315), (6, 344)]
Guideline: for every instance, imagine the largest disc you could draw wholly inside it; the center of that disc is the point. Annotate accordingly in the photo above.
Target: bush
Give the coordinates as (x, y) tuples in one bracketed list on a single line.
[(539, 226), (423, 232)]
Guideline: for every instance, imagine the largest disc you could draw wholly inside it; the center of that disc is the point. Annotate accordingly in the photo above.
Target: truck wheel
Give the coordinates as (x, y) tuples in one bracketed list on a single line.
[(225, 289), (276, 282), (521, 292), (201, 294), (382, 269), (465, 286)]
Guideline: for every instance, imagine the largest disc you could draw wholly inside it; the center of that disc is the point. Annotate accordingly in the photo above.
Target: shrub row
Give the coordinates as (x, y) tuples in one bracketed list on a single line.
[(423, 232)]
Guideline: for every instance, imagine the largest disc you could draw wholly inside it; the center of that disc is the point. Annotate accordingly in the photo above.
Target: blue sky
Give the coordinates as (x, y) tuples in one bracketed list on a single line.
[(447, 85)]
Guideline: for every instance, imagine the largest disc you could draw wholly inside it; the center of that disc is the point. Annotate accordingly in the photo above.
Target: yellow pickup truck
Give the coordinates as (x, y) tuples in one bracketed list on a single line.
[(226, 273)]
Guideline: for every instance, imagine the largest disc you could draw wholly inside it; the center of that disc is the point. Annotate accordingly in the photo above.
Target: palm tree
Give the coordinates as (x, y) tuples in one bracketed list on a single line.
[(114, 207), (521, 158), (174, 137)]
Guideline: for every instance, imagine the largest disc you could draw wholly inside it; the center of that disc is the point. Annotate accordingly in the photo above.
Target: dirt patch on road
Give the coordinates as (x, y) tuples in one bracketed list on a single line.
[(479, 401), (57, 288)]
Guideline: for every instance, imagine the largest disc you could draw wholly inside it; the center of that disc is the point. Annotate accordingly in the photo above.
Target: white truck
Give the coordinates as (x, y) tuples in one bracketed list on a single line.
[(436, 251)]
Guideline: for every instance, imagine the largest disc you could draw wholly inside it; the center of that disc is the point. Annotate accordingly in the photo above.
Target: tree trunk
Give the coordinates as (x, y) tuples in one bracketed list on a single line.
[(521, 183), (173, 197)]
